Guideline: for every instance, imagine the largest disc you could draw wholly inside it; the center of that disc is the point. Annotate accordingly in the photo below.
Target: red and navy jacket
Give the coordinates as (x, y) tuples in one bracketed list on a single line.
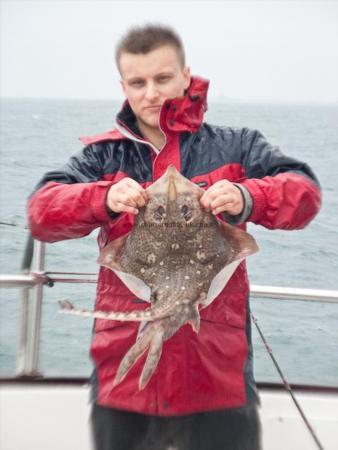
[(197, 372)]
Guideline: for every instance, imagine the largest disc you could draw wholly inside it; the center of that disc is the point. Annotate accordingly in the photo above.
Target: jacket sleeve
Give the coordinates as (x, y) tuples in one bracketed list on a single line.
[(285, 192), (70, 203)]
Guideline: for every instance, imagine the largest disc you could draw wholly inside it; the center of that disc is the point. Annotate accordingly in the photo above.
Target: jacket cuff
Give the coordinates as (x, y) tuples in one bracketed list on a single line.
[(259, 204), (98, 201), (248, 204)]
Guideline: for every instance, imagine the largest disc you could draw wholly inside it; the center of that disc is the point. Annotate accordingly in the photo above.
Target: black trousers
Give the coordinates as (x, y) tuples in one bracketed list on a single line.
[(233, 429)]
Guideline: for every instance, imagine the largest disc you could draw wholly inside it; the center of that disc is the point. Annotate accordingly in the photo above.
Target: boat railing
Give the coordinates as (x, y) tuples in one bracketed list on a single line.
[(31, 282)]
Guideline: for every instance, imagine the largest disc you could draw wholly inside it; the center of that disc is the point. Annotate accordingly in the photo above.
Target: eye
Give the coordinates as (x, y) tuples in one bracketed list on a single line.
[(159, 213), (136, 83), (186, 213), (163, 79)]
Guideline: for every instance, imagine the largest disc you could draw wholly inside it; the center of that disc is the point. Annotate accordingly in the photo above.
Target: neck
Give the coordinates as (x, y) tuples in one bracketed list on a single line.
[(153, 135)]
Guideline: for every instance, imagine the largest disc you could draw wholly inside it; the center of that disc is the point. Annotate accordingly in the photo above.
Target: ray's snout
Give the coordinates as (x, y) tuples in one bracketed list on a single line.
[(172, 191)]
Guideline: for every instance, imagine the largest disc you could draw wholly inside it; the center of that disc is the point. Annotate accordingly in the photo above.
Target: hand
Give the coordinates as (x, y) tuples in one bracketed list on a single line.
[(126, 196), (223, 196)]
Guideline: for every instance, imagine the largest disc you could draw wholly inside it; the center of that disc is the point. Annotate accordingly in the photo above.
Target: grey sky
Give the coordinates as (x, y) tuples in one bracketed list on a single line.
[(250, 50)]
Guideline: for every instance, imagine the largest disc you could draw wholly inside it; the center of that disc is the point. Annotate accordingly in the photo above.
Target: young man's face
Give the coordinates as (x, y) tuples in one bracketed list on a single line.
[(149, 79)]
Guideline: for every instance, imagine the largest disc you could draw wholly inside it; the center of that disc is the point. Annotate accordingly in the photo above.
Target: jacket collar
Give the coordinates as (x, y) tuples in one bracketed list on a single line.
[(177, 114)]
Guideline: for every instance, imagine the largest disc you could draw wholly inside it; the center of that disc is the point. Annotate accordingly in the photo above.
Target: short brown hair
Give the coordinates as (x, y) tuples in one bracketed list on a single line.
[(144, 39)]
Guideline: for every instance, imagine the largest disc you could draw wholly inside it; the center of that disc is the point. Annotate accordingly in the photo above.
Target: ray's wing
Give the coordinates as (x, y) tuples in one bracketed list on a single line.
[(243, 245), (242, 242), (111, 257)]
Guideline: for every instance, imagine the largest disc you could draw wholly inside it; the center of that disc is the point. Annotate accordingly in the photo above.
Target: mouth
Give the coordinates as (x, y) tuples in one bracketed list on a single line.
[(153, 108)]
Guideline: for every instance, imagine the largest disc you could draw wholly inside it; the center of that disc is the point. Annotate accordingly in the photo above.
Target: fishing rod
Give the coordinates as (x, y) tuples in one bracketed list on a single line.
[(12, 224), (286, 384)]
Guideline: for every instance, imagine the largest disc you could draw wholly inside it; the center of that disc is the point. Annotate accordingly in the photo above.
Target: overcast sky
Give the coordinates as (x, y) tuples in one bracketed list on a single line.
[(250, 50)]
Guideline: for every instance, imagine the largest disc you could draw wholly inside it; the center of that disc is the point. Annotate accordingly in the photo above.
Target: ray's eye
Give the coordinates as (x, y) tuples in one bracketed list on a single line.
[(186, 213), (159, 213)]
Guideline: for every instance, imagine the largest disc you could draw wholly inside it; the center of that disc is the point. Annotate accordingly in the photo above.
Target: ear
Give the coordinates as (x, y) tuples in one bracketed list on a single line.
[(187, 77), (123, 86)]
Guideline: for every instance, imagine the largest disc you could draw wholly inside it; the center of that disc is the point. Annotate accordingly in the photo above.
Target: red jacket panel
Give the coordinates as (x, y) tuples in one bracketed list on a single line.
[(197, 372)]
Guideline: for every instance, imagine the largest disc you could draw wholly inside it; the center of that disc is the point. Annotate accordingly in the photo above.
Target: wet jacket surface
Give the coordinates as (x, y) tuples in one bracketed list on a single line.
[(197, 372)]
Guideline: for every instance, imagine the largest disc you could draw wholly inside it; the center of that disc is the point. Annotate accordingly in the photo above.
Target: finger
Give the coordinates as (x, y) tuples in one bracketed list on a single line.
[(222, 184), (205, 203), (139, 199), (137, 187), (210, 196), (127, 198), (122, 207), (218, 211), (229, 209), (129, 192), (216, 191), (225, 200), (233, 208)]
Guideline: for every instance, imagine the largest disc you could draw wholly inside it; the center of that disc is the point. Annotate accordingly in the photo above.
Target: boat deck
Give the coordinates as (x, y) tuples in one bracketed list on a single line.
[(54, 415)]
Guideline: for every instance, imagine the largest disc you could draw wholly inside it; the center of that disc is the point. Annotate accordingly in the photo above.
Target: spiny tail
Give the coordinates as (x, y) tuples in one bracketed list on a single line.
[(147, 315)]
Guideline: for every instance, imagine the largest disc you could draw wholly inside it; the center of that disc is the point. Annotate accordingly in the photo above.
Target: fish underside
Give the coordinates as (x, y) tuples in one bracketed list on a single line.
[(177, 256)]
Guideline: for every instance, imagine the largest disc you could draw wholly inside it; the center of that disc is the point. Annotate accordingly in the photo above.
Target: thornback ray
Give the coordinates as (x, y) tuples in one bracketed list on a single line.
[(178, 257)]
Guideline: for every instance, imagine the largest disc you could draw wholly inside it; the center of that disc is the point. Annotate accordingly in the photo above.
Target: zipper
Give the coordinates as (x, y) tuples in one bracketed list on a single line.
[(130, 135)]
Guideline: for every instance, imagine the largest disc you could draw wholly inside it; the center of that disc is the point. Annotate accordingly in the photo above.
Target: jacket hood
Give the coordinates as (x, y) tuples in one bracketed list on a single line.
[(177, 114)]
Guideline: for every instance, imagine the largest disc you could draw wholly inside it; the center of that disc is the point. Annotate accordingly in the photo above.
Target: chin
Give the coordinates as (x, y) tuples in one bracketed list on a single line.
[(152, 123)]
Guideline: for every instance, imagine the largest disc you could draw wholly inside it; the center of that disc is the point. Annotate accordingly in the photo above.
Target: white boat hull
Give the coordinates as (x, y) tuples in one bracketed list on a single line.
[(56, 417)]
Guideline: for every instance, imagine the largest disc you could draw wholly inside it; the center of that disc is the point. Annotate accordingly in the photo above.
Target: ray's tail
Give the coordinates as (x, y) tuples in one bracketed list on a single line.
[(147, 315)]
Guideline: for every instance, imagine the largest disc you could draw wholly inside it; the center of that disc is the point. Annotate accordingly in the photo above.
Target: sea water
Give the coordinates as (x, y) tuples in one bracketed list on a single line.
[(40, 135)]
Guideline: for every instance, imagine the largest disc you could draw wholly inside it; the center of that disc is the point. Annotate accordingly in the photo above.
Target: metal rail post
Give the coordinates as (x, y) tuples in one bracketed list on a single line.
[(22, 352), (35, 323)]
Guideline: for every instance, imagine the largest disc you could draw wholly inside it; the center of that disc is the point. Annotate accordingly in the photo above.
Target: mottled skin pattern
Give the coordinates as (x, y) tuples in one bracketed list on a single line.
[(176, 248)]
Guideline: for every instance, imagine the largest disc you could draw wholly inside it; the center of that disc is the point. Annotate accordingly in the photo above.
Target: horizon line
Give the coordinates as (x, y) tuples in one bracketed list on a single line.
[(213, 100)]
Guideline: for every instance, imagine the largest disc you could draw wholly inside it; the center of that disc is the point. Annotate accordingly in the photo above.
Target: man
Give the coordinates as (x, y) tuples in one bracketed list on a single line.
[(202, 395)]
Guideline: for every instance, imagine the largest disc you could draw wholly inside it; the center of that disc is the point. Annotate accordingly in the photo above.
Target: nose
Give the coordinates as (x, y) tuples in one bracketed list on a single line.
[(152, 91)]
